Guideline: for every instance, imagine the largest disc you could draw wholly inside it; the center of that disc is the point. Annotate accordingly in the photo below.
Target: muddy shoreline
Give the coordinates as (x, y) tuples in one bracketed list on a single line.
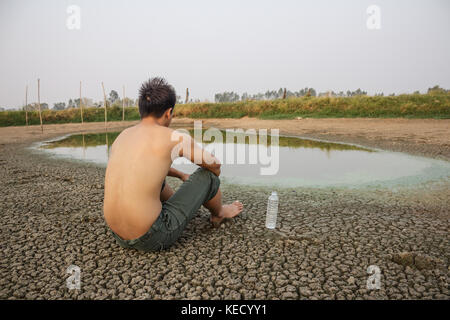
[(325, 241), (424, 137)]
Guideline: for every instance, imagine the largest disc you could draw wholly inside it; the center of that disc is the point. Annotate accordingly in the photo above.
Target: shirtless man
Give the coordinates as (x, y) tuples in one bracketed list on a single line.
[(141, 210)]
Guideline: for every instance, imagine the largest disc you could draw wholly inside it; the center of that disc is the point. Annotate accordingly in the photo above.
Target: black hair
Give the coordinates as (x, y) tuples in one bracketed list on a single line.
[(155, 97)]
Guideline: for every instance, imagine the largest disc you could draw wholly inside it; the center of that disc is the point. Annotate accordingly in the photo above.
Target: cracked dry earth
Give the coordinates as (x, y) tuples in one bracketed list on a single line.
[(326, 239)]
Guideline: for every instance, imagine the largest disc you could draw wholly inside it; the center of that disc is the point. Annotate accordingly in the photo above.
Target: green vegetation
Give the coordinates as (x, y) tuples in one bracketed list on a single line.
[(433, 105), (403, 106), (17, 118), (83, 140)]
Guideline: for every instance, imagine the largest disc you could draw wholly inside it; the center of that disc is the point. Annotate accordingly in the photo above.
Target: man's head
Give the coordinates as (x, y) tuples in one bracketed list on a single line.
[(157, 99)]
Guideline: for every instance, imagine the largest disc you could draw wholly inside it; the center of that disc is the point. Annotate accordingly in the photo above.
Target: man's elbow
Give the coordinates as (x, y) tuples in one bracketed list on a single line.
[(217, 163), (213, 165), (214, 162)]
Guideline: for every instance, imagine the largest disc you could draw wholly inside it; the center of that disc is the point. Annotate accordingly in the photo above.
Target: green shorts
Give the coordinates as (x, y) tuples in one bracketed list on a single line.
[(176, 212)]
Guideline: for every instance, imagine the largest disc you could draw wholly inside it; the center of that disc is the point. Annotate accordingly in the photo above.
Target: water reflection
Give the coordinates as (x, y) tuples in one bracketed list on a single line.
[(107, 138), (107, 144), (302, 162), (84, 147)]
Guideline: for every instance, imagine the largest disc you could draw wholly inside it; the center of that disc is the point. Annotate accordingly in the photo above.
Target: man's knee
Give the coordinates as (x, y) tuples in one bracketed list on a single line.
[(207, 176)]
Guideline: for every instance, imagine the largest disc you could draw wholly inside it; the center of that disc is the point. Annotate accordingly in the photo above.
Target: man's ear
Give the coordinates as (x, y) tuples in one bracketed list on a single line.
[(169, 112)]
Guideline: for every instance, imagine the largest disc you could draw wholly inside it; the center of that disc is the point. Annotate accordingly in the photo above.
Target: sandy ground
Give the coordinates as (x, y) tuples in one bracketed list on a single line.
[(324, 243)]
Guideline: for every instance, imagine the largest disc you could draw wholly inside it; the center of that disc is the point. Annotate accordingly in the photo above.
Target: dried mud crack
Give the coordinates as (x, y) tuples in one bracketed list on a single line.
[(326, 239)]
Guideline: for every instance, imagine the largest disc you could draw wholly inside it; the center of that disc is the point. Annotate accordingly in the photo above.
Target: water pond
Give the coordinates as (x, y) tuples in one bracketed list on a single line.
[(296, 163)]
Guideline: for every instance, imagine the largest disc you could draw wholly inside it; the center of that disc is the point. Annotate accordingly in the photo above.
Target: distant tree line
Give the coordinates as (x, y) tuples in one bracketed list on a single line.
[(268, 95), (115, 101), (279, 94), (112, 101), (437, 90)]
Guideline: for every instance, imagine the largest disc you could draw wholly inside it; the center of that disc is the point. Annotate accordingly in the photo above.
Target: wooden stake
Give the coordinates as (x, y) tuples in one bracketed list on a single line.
[(84, 147), (39, 104), (104, 98), (107, 145), (123, 104), (284, 93), (81, 106), (26, 105), (187, 95)]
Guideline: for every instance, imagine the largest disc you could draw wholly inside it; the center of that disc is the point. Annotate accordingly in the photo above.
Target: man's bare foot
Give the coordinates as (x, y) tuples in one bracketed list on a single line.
[(228, 211)]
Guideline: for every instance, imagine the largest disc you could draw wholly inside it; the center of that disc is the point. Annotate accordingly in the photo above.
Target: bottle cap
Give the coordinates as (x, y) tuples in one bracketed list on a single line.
[(274, 193)]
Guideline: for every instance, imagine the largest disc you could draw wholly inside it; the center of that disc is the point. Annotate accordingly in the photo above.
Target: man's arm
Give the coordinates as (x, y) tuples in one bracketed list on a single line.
[(196, 154), (177, 174)]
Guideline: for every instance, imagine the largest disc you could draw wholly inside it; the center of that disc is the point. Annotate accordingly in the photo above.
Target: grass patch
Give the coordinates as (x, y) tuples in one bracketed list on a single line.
[(413, 106), (403, 106)]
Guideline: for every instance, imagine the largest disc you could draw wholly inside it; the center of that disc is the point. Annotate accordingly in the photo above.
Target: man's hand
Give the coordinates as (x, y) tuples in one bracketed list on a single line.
[(178, 174), (197, 155), (184, 177)]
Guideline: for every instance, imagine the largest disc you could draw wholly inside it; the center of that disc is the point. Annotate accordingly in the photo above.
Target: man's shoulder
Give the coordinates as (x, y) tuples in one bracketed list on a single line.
[(175, 134), (168, 136), (166, 132)]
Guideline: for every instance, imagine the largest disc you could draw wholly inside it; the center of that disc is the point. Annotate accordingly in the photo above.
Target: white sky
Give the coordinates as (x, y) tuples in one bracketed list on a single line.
[(214, 46)]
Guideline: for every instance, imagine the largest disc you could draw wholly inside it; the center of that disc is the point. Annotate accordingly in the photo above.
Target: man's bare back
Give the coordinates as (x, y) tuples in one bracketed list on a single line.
[(140, 213), (138, 164)]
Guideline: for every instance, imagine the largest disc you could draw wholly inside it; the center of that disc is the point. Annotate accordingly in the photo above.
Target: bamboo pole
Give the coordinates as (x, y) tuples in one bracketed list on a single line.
[(123, 104), (107, 145), (39, 104), (104, 99), (81, 106), (84, 147), (26, 105)]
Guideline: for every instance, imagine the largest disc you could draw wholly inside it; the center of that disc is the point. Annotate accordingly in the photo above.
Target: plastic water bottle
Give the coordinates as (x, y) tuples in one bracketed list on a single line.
[(272, 211)]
